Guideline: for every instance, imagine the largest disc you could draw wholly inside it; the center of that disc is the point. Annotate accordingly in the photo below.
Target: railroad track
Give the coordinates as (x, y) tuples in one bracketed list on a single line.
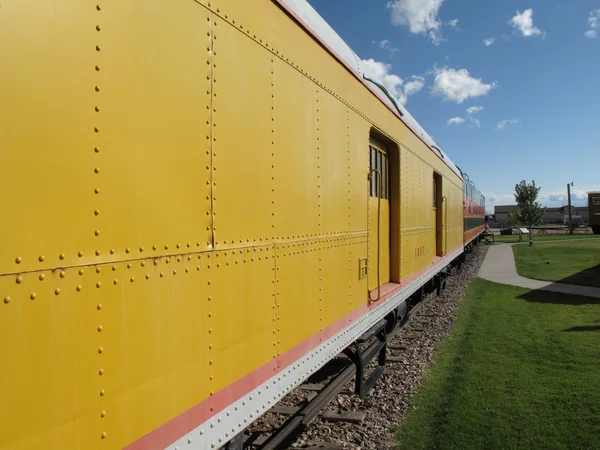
[(368, 355)]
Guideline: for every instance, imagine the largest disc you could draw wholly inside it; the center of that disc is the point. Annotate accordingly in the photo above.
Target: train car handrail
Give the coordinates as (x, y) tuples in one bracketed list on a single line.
[(379, 193)]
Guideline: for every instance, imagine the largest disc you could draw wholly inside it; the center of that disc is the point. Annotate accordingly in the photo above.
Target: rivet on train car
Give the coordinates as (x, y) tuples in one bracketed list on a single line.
[(132, 279), (100, 350), (179, 257), (127, 250), (115, 281), (96, 129), (174, 272), (97, 68), (98, 28), (96, 191), (99, 306), (154, 247), (97, 252), (98, 7), (7, 300), (19, 279), (101, 371), (97, 48), (41, 277), (80, 271), (162, 274), (114, 268), (33, 296), (143, 264), (141, 249), (156, 262), (166, 247), (103, 414), (210, 330), (98, 285), (129, 265), (167, 260), (198, 268), (18, 260), (78, 288), (147, 277)]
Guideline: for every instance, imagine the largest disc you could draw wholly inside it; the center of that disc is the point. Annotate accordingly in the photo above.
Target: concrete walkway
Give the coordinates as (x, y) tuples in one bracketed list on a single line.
[(499, 266)]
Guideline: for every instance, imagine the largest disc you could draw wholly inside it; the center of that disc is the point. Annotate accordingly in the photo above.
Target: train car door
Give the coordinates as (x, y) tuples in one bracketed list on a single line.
[(438, 215), (379, 214)]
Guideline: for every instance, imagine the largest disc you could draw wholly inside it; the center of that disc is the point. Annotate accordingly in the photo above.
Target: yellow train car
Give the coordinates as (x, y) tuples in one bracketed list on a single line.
[(204, 201)]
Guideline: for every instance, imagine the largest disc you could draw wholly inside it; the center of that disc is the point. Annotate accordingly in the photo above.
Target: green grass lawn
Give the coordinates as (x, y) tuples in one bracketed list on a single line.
[(565, 262), (521, 370), (512, 238)]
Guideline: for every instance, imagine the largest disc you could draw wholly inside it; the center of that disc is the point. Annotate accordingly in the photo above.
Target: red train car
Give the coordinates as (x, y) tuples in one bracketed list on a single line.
[(474, 211)]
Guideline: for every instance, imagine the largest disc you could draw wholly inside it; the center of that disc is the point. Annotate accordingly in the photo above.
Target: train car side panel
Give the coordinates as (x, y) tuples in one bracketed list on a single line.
[(417, 218), (48, 135), (293, 148), (243, 125), (453, 213)]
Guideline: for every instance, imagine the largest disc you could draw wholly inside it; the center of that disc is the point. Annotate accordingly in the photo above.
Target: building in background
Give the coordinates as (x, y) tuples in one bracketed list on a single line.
[(552, 216)]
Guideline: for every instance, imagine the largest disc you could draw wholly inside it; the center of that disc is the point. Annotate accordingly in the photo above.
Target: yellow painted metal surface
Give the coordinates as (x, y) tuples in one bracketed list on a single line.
[(240, 311), (136, 135), (293, 142), (50, 387), (243, 162), (298, 291), (151, 352)]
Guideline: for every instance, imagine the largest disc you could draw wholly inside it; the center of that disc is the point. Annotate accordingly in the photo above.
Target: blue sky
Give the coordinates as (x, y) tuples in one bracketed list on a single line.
[(523, 105)]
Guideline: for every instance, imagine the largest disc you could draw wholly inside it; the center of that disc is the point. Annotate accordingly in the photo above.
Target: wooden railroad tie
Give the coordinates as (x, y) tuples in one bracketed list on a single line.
[(331, 416), (397, 347), (394, 359)]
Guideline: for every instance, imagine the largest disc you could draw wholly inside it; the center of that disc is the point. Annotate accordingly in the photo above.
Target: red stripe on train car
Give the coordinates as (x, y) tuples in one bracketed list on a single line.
[(187, 421)]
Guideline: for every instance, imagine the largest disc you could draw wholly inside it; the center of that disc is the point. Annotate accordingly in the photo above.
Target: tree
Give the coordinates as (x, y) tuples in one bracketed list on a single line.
[(530, 212), (512, 219)]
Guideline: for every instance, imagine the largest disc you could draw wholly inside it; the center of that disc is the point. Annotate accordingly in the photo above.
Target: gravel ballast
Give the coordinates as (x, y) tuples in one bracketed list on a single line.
[(385, 406)]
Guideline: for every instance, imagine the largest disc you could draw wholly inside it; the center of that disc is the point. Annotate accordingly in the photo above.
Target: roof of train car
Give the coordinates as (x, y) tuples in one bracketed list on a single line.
[(321, 30)]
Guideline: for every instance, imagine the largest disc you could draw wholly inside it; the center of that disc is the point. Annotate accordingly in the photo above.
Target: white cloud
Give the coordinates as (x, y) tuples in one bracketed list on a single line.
[(555, 198), (489, 41), (562, 196), (524, 23), (474, 121), (498, 199), (413, 85), (547, 198), (453, 23), (380, 72), (503, 123), (594, 19), (458, 85), (387, 45), (593, 23), (455, 121), (421, 17), (474, 109)]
